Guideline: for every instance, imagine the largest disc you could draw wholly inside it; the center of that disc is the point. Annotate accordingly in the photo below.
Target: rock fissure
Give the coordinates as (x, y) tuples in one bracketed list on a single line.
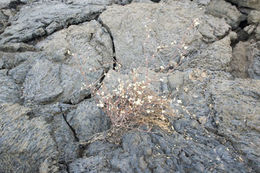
[(71, 128)]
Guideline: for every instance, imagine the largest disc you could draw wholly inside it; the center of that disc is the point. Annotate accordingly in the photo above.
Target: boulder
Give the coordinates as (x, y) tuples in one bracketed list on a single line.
[(155, 35), (10, 92), (84, 53), (223, 9), (254, 4), (237, 107), (245, 61), (25, 142), (42, 19), (87, 120), (42, 83)]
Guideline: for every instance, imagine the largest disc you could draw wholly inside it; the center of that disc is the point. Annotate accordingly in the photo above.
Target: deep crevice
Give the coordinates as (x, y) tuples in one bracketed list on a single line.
[(71, 128), (36, 39), (15, 4), (113, 43)]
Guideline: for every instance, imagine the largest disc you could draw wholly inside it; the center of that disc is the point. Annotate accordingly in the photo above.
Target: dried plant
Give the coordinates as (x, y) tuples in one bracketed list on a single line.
[(133, 104)]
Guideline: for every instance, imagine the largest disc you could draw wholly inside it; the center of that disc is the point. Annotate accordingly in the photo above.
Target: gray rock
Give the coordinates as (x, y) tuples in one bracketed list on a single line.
[(223, 9), (9, 91), (87, 120), (254, 67), (254, 17), (3, 21), (240, 60), (217, 56), (158, 29), (66, 142), (86, 52), (245, 61), (257, 32), (203, 2), (91, 164), (158, 152), (24, 143), (156, 82), (213, 29), (42, 19), (42, 83), (16, 47), (254, 4), (237, 107)]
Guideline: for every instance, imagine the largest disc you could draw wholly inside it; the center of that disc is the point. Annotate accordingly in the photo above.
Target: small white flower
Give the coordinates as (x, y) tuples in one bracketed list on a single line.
[(179, 101), (148, 111), (101, 105), (150, 97), (138, 102), (139, 92), (196, 22)]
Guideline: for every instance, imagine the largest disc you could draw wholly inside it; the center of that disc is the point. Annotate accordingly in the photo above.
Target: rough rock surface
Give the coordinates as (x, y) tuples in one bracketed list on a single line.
[(87, 120), (255, 4), (157, 37), (44, 19), (9, 91), (25, 141), (245, 62), (237, 116), (203, 55), (223, 9)]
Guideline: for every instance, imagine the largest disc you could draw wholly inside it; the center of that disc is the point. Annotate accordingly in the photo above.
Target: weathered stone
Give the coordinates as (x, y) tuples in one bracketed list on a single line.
[(245, 61), (24, 142), (42, 19), (9, 91), (257, 32), (156, 38), (217, 56), (87, 120), (254, 67), (255, 4), (3, 21), (254, 17), (86, 52), (223, 9), (237, 107), (42, 83)]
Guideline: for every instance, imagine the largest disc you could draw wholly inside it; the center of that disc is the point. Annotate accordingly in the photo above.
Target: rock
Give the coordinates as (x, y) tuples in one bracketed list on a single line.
[(9, 91), (3, 21), (156, 35), (157, 152), (213, 29), (254, 67), (240, 60), (254, 17), (254, 4), (157, 82), (24, 142), (91, 164), (257, 32), (87, 120), (42, 83), (66, 142), (217, 56), (223, 9), (237, 108), (16, 47), (203, 2), (245, 61), (42, 19), (85, 53)]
